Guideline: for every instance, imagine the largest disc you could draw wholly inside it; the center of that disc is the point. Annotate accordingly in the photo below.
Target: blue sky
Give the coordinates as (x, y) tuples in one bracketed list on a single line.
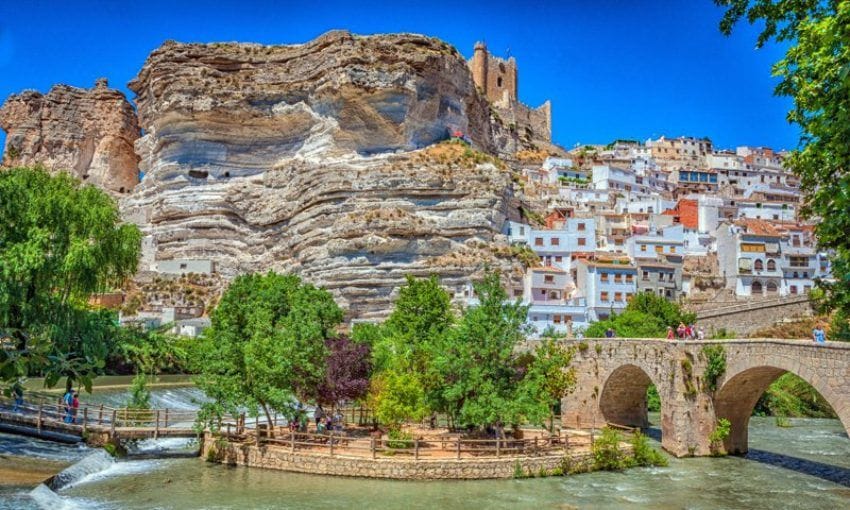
[(612, 69)]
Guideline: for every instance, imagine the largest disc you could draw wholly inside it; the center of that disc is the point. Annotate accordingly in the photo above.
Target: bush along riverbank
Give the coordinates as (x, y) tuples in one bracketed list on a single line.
[(610, 452)]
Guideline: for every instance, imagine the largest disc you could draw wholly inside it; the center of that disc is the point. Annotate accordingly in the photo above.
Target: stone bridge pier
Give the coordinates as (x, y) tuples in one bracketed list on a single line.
[(614, 374)]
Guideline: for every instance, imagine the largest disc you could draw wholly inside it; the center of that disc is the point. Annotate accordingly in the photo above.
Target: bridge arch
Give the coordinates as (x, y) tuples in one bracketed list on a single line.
[(622, 399), (743, 385)]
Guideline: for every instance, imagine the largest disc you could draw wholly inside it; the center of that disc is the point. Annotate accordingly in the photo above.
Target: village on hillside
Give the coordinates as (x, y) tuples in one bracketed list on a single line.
[(673, 217)]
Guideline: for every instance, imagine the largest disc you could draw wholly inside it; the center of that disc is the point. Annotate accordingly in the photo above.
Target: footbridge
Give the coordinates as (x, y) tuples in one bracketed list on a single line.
[(614, 374), (95, 424)]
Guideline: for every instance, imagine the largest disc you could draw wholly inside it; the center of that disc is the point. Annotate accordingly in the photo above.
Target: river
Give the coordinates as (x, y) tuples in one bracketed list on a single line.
[(806, 466)]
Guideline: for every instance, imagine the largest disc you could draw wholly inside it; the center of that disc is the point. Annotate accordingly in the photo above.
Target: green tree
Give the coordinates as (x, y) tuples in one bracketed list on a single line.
[(814, 73), (478, 366), (266, 346), (669, 313), (61, 242), (629, 324), (405, 344), (549, 377)]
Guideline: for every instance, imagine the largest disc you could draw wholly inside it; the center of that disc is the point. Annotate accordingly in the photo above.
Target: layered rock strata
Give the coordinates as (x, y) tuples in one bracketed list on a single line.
[(88, 132), (308, 158)]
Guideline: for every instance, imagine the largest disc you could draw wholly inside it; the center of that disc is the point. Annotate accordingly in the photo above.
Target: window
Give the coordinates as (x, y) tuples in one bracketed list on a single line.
[(548, 278), (182, 266), (553, 294), (522, 231), (793, 289), (630, 278), (559, 258), (603, 277), (771, 287), (581, 227), (646, 276), (538, 241), (771, 265), (582, 241), (618, 278), (758, 265), (659, 248), (556, 319), (603, 296), (618, 296), (643, 247), (751, 247), (499, 81), (556, 241), (757, 288), (672, 249), (517, 292)]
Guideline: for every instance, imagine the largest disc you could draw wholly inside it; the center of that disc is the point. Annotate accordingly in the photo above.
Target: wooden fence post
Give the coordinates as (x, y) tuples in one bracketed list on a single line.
[(112, 426), (371, 440), (166, 418), (292, 441), (156, 427), (100, 415), (498, 446), (416, 449), (39, 417), (458, 447)]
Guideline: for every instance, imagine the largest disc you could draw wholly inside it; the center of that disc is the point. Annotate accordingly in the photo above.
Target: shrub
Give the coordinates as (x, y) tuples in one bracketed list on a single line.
[(715, 357), (518, 472), (607, 455), (644, 454), (583, 346), (718, 436), (398, 438)]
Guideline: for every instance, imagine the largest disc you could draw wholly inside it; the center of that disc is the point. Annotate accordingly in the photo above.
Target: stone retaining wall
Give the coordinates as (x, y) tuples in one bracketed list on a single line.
[(281, 458)]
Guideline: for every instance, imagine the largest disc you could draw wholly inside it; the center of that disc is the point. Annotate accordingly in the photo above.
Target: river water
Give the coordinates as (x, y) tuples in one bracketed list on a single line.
[(806, 466)]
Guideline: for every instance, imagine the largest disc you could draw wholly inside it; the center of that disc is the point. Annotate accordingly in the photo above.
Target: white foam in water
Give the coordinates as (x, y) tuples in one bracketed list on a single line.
[(94, 463), (163, 445), (118, 469), (46, 499)]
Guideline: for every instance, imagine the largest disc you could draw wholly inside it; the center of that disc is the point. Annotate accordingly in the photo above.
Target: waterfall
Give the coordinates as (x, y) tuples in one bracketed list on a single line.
[(97, 462), (46, 499)]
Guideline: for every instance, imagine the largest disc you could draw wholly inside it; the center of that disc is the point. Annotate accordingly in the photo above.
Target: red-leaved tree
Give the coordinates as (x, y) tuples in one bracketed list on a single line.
[(348, 367)]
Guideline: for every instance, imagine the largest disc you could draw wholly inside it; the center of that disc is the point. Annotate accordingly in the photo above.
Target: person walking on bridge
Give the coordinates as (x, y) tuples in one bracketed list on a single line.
[(67, 402), (818, 334)]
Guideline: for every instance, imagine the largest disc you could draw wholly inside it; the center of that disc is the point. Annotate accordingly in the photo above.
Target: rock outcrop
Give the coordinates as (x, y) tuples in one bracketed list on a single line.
[(308, 158), (87, 132)]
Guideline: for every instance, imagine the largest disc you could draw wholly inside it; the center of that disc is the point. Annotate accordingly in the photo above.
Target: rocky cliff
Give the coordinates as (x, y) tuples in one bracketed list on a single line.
[(88, 132), (309, 158)]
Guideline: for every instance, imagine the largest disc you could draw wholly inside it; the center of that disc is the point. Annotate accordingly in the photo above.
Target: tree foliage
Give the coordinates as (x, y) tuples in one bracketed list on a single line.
[(815, 73), (484, 383), (646, 316), (61, 242), (403, 347), (347, 370), (266, 346)]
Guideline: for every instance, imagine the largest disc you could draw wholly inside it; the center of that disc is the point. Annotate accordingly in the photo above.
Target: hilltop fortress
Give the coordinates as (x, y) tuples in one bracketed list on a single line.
[(498, 80)]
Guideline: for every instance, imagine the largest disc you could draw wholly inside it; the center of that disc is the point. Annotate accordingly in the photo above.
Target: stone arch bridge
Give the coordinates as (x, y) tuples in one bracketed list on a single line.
[(613, 375)]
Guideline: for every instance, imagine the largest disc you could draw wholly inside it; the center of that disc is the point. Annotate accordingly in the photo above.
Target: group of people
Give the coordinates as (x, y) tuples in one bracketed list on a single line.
[(325, 422), (685, 332), (70, 403)]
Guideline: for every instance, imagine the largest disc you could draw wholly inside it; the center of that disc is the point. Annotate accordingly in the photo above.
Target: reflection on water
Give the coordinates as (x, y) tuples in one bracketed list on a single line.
[(803, 467)]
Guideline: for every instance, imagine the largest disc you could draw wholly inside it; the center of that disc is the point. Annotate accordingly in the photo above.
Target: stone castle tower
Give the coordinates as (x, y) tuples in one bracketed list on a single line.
[(498, 80), (495, 76)]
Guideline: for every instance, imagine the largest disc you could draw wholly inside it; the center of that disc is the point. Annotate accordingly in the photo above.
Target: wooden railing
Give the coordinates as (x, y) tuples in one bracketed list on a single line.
[(450, 446)]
